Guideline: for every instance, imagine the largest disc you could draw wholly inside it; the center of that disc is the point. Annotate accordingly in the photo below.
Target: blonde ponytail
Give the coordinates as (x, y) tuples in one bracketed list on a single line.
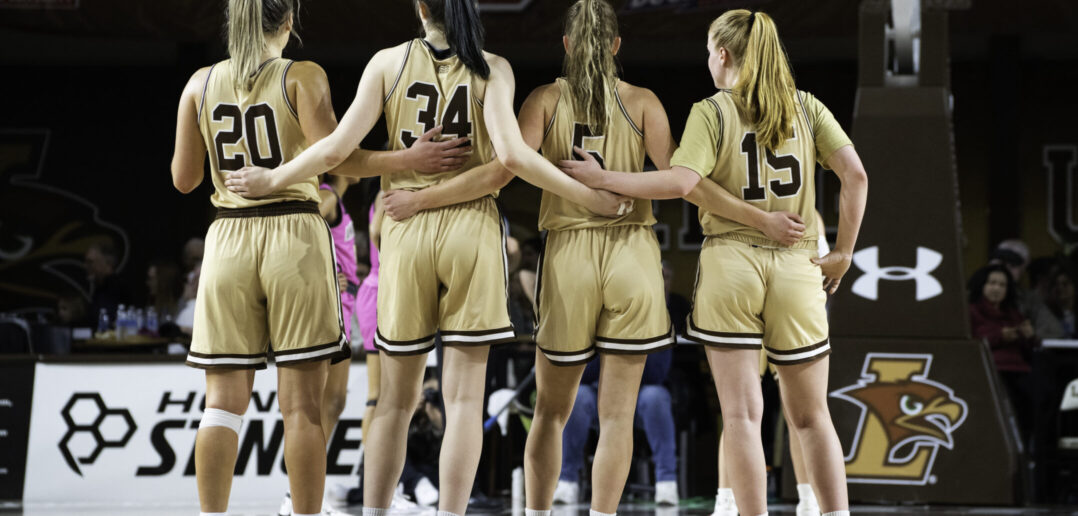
[(589, 67), (765, 86), (246, 41)]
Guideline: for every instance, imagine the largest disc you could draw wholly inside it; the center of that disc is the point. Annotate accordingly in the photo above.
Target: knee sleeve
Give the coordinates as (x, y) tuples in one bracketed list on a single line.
[(218, 417)]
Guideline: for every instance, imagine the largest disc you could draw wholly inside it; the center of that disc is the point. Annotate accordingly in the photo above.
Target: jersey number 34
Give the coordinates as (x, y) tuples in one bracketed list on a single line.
[(456, 121)]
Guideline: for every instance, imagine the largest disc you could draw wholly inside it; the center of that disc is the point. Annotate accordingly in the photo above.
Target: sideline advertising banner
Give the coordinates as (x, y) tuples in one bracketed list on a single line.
[(102, 432)]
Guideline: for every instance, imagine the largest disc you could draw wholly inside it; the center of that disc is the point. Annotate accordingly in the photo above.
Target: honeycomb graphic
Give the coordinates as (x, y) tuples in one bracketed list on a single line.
[(84, 404)]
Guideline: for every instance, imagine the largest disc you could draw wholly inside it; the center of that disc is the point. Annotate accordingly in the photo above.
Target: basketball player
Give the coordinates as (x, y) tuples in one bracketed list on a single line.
[(440, 261), (807, 505), (257, 108), (758, 138)]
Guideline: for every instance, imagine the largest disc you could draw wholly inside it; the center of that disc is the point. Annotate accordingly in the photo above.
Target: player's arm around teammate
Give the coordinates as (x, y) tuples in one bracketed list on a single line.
[(726, 139)]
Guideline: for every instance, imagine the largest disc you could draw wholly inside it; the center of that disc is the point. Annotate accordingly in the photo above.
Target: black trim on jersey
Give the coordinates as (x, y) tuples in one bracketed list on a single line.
[(722, 124), (806, 113), (626, 113), (206, 85), (550, 125), (439, 55), (284, 89), (539, 282), (502, 220), (407, 54)]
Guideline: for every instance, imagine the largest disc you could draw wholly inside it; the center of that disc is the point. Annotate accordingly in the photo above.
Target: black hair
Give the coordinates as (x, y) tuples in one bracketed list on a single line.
[(459, 19), (980, 277)]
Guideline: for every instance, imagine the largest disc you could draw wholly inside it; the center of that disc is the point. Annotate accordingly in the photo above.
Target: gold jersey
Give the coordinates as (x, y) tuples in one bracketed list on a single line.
[(621, 147), (251, 128), (722, 148), (434, 88)]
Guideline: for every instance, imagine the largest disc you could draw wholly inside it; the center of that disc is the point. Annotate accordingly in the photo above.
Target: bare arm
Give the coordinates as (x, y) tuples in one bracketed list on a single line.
[(672, 183), (658, 141), (523, 161), (327, 204), (852, 199), (189, 155), (469, 185)]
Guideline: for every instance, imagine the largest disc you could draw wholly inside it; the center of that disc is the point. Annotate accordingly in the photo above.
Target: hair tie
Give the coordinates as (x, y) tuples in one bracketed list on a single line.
[(752, 19)]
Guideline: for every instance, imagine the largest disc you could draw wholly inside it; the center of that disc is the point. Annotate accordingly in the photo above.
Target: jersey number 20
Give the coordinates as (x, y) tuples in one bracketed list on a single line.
[(755, 191), (245, 127), (456, 120)]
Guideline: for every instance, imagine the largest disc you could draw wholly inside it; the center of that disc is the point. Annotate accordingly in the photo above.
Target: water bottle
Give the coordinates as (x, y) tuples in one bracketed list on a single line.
[(121, 322), (151, 321), (103, 321)]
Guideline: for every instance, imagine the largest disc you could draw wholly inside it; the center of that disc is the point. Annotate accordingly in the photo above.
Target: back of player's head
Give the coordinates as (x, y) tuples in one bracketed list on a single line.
[(591, 27), (459, 20), (249, 21), (765, 87)]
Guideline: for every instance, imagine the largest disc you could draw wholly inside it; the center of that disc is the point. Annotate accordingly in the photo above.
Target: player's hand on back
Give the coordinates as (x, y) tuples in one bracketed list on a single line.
[(251, 182), (834, 266), (401, 204), (610, 204), (586, 169), (431, 156), (784, 227)]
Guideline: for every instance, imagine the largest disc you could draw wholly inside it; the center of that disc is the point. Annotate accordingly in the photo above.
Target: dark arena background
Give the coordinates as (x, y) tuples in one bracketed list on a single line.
[(963, 112)]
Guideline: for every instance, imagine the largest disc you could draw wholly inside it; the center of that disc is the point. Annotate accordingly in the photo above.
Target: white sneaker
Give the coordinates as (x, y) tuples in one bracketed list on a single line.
[(808, 508), (567, 493), (400, 501), (425, 492), (666, 493), (329, 510), (286, 506), (724, 507)]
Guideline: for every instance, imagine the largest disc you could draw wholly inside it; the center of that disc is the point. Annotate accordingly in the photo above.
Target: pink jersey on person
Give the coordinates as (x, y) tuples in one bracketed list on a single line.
[(344, 243)]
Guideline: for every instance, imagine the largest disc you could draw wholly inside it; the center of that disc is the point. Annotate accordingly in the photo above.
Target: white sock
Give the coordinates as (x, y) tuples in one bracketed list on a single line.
[(593, 512), (764, 514), (726, 494), (446, 513), (532, 512), (805, 493), (837, 513), (371, 511), (212, 514), (298, 514)]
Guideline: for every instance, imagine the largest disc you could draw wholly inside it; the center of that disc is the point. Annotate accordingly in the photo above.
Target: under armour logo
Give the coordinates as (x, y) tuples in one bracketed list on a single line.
[(868, 260)]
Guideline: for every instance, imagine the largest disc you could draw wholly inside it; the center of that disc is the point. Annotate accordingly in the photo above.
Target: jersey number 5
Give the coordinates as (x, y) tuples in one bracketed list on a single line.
[(245, 126), (755, 190), (455, 122), (582, 132)]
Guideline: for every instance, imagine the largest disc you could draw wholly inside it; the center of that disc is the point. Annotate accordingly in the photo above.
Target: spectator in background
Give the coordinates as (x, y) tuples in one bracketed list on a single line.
[(71, 310), (185, 319), (521, 289), (1041, 278), (106, 289), (1054, 318), (994, 317), (192, 253), (163, 286), (1014, 255)]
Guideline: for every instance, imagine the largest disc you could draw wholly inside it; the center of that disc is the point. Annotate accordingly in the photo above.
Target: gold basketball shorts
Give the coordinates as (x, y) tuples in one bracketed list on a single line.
[(443, 270), (268, 281), (601, 289), (749, 297)]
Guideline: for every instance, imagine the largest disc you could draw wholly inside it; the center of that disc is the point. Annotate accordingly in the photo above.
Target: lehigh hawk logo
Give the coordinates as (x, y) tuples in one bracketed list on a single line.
[(905, 420)]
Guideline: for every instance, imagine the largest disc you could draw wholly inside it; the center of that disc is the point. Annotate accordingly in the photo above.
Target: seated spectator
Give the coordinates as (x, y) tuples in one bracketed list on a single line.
[(106, 289), (163, 288), (994, 317), (185, 319), (653, 414), (71, 311), (1054, 318)]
